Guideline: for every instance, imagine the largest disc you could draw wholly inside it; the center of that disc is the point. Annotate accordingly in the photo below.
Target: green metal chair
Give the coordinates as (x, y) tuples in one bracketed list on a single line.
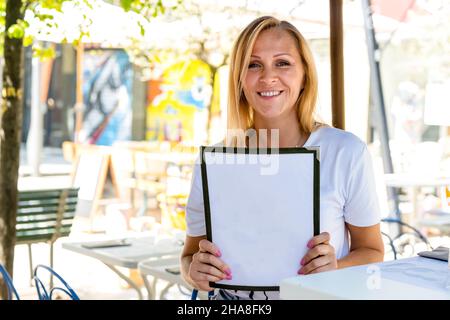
[(45, 216)]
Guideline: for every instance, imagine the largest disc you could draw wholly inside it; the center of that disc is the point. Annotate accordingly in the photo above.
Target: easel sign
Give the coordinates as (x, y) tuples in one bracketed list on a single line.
[(90, 176)]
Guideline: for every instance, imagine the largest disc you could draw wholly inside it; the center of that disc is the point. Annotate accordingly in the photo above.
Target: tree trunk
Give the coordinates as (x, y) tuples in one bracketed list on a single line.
[(10, 128)]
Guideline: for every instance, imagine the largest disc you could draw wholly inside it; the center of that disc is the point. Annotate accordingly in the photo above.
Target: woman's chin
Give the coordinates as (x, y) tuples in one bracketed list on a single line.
[(270, 113)]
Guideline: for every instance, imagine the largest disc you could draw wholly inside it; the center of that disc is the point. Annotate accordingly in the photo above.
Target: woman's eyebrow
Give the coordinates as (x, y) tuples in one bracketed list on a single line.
[(275, 55), (282, 54)]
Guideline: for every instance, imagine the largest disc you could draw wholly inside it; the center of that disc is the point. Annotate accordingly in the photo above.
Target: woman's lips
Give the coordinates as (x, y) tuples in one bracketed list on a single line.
[(270, 94)]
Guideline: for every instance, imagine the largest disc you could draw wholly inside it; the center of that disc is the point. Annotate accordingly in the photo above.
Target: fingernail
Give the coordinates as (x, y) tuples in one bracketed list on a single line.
[(218, 253), (229, 277), (309, 245), (303, 261), (300, 272), (227, 271)]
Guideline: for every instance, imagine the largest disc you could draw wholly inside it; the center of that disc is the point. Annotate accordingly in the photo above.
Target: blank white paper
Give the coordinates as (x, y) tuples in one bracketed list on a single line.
[(261, 222)]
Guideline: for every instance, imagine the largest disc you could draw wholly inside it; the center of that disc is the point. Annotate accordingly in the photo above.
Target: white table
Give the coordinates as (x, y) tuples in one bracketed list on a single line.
[(158, 269), (405, 279), (141, 248)]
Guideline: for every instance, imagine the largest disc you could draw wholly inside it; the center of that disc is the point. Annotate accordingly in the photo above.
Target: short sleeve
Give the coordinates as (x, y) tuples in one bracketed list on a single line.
[(195, 217), (361, 206)]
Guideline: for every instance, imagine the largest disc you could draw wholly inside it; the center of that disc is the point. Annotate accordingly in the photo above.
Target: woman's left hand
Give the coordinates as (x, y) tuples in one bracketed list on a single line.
[(320, 256)]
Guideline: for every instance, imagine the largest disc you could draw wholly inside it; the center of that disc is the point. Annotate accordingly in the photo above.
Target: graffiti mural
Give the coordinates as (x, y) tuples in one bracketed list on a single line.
[(179, 112), (107, 89)]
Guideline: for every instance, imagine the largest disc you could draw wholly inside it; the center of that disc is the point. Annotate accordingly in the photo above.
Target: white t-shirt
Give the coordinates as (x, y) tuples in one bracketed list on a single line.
[(347, 191)]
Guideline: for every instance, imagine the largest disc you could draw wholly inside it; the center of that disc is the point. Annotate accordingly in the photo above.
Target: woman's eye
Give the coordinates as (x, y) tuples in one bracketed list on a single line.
[(253, 65), (283, 63)]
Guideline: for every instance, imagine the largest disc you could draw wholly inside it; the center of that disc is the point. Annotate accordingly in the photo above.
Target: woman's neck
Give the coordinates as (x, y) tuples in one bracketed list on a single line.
[(282, 133)]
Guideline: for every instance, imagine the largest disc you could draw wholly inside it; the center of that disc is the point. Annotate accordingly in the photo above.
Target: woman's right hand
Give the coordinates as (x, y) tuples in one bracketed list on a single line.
[(206, 266)]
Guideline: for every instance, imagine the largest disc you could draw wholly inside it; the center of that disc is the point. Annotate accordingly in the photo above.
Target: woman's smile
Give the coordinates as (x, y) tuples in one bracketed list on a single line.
[(270, 94)]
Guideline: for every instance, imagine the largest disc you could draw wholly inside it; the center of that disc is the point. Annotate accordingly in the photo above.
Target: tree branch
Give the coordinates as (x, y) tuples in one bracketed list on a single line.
[(27, 4)]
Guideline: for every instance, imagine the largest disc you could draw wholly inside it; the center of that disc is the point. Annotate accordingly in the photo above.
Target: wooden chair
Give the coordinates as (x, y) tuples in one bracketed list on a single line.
[(45, 216)]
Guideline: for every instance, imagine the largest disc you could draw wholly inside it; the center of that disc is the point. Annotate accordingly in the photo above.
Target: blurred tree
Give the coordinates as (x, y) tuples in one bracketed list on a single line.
[(14, 36)]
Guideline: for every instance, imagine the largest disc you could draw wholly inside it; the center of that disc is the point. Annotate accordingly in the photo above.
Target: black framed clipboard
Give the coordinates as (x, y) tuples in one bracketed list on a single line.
[(260, 221)]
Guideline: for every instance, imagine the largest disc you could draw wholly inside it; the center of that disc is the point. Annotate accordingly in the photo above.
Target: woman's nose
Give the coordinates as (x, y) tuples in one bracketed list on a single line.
[(268, 77)]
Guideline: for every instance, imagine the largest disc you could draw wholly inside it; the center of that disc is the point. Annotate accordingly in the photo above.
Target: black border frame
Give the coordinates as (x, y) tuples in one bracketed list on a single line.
[(316, 194)]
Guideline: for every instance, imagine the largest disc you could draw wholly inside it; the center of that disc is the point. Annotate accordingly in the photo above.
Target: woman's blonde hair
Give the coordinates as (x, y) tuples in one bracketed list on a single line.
[(240, 114)]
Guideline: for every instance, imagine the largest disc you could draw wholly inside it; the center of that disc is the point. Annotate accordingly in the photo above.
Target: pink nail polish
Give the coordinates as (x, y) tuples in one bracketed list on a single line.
[(300, 272), (218, 253), (229, 277), (227, 271), (302, 262)]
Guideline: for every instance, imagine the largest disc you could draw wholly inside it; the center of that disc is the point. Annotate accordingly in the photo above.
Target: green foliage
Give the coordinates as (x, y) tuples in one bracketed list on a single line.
[(43, 17), (142, 28), (19, 29), (28, 40), (52, 4), (126, 4), (43, 53), (16, 31), (148, 9)]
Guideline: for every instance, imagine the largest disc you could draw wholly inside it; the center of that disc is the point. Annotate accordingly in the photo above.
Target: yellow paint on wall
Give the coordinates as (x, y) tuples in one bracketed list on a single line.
[(168, 118)]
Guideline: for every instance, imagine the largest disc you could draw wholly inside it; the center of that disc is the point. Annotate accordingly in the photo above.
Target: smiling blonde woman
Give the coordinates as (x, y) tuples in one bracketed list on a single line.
[(273, 88)]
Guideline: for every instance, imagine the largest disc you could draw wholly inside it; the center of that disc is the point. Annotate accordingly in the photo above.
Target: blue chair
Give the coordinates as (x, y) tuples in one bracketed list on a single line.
[(9, 284), (408, 236), (42, 292)]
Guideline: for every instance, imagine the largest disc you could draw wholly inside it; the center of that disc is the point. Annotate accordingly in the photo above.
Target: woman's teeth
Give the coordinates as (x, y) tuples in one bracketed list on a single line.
[(269, 93)]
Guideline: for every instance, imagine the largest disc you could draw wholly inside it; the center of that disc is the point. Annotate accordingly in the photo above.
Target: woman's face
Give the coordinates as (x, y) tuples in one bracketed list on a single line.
[(275, 75)]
